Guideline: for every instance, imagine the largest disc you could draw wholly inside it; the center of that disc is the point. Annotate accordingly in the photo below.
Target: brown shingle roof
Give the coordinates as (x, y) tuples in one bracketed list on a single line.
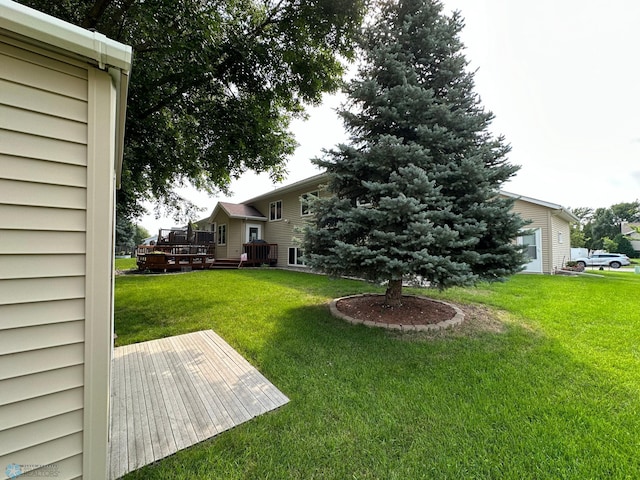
[(235, 210)]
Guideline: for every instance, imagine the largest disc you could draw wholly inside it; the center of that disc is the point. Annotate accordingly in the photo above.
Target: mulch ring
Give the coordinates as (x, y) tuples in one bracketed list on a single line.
[(415, 314)]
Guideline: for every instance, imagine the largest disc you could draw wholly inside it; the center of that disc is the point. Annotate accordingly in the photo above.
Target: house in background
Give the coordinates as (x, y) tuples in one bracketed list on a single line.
[(549, 240), (630, 230), (275, 217), (272, 217), (62, 109)]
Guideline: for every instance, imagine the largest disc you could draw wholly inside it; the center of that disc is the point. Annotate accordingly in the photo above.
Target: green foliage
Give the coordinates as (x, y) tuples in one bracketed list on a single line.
[(125, 233), (623, 245), (597, 225), (140, 234), (578, 236), (602, 226), (415, 192), (215, 83), (542, 381), (609, 244)]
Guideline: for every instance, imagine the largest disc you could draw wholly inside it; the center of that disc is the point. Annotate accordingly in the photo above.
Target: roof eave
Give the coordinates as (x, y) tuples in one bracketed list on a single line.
[(294, 186), (245, 217), (48, 30), (559, 210)]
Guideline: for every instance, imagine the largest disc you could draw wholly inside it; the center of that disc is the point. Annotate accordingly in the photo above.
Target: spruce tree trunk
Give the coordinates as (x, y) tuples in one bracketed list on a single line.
[(393, 295)]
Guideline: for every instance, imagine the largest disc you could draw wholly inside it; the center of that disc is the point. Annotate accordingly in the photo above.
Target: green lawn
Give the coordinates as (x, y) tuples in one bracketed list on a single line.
[(549, 388), (125, 264)]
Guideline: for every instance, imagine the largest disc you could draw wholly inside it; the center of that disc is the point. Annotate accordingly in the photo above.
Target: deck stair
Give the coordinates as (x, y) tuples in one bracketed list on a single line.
[(225, 264)]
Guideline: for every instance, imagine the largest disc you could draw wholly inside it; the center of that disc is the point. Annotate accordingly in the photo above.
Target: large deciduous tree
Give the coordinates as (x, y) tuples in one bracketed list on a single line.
[(215, 83), (605, 223), (416, 192)]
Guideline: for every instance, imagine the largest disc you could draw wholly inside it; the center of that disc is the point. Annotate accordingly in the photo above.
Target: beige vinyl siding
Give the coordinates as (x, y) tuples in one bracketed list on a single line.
[(47, 430), (29, 266), (540, 218), (221, 219), (43, 220), (30, 411), (68, 447), (51, 172), (236, 236), (43, 70), (38, 218), (561, 251), (19, 315), (283, 232)]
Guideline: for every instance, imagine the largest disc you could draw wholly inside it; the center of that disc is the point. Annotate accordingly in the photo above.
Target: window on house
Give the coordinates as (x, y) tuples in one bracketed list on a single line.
[(530, 242), (304, 208), (295, 256), (222, 234), (275, 210)]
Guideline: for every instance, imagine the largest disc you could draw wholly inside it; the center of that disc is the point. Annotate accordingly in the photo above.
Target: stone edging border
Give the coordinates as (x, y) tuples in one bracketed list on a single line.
[(457, 319)]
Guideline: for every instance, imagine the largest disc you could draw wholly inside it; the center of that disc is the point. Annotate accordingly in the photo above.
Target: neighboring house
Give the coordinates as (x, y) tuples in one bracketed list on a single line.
[(630, 230), (549, 243), (276, 216), (273, 217), (62, 109)]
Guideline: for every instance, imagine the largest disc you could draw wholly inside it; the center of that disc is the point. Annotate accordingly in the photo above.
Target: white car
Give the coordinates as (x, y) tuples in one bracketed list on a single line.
[(613, 260)]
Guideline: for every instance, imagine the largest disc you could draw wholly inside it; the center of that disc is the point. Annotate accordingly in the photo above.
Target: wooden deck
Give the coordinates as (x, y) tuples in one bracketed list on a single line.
[(171, 393)]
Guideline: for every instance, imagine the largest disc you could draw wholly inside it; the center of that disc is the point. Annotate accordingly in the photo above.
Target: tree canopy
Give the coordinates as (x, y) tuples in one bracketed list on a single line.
[(601, 228), (215, 83), (415, 193)]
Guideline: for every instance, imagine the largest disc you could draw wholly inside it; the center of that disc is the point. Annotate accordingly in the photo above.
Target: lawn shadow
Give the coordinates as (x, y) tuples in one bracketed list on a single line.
[(514, 400)]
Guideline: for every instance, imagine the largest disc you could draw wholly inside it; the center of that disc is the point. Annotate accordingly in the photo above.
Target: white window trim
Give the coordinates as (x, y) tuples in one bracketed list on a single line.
[(297, 249), (248, 227), (276, 210), (224, 226)]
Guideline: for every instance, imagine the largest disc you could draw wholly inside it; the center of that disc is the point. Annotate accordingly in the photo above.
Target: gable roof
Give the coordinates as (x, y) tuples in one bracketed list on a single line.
[(241, 211), (311, 182), (559, 210)]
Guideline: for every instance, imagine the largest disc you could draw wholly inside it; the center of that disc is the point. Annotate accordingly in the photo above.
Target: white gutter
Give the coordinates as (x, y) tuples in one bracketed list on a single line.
[(51, 33)]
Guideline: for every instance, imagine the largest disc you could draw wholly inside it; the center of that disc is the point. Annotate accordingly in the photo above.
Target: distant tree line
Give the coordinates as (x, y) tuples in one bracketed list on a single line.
[(599, 229), (128, 235)]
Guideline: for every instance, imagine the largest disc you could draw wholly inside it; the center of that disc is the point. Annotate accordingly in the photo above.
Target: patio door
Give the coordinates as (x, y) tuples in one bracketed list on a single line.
[(533, 252), (254, 232)]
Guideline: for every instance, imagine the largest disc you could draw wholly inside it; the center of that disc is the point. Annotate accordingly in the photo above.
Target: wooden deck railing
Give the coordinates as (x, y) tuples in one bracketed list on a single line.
[(260, 254), (171, 261), (177, 249)]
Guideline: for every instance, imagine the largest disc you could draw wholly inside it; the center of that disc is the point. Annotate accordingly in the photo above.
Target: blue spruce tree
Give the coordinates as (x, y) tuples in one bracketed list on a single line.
[(416, 191)]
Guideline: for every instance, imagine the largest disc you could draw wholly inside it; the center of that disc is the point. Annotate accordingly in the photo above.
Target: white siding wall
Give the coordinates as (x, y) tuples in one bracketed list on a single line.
[(43, 246)]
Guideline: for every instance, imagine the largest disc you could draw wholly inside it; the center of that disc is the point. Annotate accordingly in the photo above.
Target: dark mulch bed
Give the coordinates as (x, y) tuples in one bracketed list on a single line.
[(413, 311)]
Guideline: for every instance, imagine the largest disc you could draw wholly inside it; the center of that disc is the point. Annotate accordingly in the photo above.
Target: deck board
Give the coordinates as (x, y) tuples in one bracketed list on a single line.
[(171, 393)]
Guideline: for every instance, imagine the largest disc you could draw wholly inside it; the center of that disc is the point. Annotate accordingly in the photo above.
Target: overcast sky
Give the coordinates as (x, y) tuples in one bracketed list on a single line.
[(563, 80)]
